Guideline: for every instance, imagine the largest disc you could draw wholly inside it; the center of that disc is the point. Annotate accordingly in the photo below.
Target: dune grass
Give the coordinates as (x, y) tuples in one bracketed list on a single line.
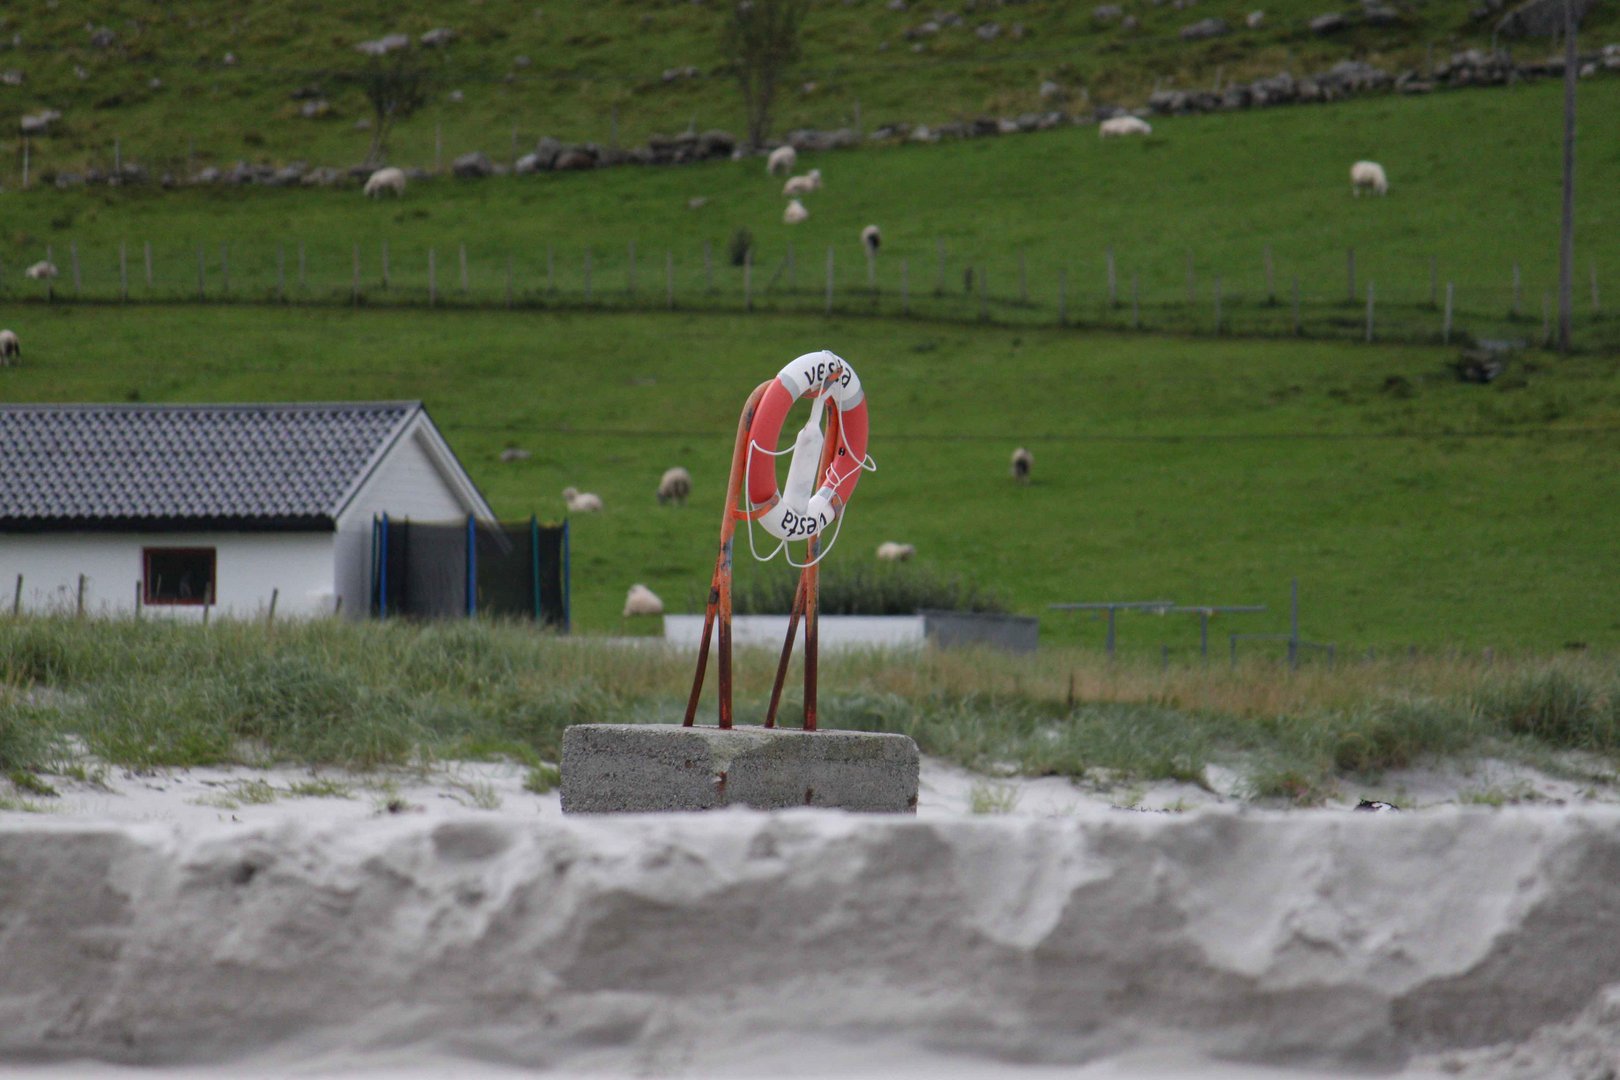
[(370, 695)]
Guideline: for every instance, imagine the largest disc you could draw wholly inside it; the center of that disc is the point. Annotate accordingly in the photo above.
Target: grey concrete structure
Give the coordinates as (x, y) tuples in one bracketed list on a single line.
[(617, 768)]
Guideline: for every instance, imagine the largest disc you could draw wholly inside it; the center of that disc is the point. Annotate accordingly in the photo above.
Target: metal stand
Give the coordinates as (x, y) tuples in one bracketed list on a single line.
[(805, 599)]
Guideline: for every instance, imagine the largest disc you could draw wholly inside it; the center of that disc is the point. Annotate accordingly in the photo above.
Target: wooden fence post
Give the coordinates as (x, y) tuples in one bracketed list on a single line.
[(200, 271), (939, 281), (16, 598), (1113, 281), (587, 275), (829, 279), (463, 252), (385, 265), (1445, 329), (1369, 312), (1350, 271)]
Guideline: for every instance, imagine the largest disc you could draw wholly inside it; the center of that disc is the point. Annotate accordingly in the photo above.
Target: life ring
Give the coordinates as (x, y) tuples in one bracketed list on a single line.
[(810, 503)]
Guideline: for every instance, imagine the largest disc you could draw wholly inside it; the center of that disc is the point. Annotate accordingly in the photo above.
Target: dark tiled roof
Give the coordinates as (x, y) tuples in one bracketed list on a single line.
[(264, 466)]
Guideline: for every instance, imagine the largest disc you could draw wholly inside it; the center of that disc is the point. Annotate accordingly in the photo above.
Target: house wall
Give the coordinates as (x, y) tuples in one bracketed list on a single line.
[(408, 483), (248, 567)]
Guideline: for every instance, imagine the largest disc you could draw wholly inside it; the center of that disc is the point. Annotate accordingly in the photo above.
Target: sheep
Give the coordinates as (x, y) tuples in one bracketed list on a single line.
[(1368, 174), (803, 185), (514, 453), (10, 348), (794, 213), (871, 239), (41, 271), (890, 551), (782, 160), (389, 179), (675, 486), (1022, 463), (581, 502), (1123, 125), (641, 600)]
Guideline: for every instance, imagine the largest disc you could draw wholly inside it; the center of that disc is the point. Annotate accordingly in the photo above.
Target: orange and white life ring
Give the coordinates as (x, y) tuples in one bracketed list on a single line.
[(808, 504)]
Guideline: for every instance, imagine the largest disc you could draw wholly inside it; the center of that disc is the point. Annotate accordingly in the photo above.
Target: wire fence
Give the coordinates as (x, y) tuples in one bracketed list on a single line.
[(1107, 291)]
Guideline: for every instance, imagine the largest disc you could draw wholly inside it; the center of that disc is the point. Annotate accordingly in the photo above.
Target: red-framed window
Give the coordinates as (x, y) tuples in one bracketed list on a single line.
[(173, 575)]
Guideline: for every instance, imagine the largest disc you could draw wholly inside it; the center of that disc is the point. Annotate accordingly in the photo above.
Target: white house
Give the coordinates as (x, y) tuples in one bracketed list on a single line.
[(179, 508)]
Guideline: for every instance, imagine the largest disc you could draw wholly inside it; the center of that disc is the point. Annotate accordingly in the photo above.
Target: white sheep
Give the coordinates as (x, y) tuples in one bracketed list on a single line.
[(10, 347), (782, 160), (1368, 174), (890, 551), (1123, 125), (794, 213), (1022, 464), (803, 185), (41, 271), (871, 239), (581, 502), (641, 600), (389, 179), (675, 486)]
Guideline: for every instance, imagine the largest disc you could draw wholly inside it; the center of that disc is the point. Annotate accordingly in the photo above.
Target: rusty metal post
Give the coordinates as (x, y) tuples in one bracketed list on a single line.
[(720, 584), (787, 653), (812, 601)]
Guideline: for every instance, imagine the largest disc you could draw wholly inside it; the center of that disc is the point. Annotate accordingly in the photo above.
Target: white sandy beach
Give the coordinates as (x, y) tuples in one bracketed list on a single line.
[(447, 922)]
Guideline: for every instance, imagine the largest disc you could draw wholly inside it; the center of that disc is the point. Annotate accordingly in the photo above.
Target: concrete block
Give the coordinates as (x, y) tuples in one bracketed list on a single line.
[(617, 768)]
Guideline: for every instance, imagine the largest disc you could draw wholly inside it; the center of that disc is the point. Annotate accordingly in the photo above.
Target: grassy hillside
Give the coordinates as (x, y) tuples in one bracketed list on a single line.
[(226, 73), (1475, 179), (1413, 508)]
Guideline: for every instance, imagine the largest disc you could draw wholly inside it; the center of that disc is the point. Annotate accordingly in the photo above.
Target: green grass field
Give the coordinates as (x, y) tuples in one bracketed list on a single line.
[(1412, 507), (1474, 175), (596, 67)]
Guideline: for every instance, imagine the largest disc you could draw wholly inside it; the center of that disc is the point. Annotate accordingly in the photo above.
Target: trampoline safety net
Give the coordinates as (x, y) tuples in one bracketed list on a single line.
[(439, 569)]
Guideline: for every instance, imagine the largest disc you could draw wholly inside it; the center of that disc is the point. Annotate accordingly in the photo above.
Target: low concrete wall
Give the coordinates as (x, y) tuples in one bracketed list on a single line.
[(1015, 633), (617, 768)]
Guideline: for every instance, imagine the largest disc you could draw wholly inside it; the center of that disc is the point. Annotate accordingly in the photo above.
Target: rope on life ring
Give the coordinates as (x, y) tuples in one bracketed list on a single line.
[(805, 508)]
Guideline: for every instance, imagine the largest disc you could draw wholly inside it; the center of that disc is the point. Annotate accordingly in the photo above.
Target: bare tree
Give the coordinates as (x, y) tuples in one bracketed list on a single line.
[(761, 41), (394, 82)]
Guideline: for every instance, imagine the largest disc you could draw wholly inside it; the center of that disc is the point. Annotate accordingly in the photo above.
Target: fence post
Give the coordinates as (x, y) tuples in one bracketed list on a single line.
[(79, 607), (462, 249), (829, 279), (905, 288), (303, 281), (587, 275), (1445, 330), (270, 616), (1350, 271), (1113, 281), (200, 272), (1296, 306), (123, 271), (224, 268), (630, 270), (1063, 289), (1369, 312), (669, 279), (939, 282), (551, 279), (1271, 289), (385, 265), (433, 278), (1516, 284), (148, 265), (73, 255), (16, 598)]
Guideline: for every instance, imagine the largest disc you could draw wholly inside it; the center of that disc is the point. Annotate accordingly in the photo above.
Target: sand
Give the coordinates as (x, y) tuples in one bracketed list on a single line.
[(448, 922)]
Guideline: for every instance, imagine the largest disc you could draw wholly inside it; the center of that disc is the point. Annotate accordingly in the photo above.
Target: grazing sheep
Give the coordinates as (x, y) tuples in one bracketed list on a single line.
[(10, 347), (794, 213), (1123, 125), (889, 551), (581, 502), (675, 486), (871, 239), (389, 179), (803, 185), (641, 600), (782, 160), (1368, 174), (41, 271), (514, 453), (1022, 463)]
